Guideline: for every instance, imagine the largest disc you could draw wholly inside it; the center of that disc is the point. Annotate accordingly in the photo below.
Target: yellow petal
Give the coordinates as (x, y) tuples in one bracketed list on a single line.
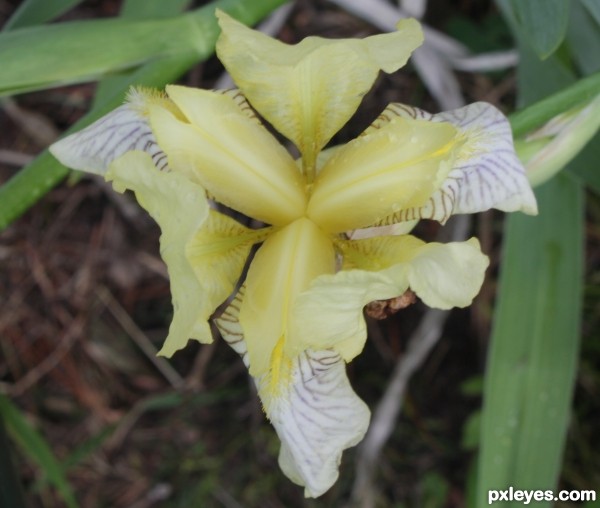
[(397, 166), (486, 172), (442, 275), (283, 267), (180, 208), (310, 90), (230, 155), (316, 413), (217, 254), (448, 275), (330, 313)]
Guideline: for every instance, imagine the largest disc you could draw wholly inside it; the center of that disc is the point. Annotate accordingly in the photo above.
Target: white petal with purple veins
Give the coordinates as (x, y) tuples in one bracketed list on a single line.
[(316, 413), (95, 147), (317, 418), (487, 173)]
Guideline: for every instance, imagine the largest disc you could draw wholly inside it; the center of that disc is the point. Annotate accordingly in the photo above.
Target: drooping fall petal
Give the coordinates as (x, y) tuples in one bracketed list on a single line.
[(316, 414), (180, 209), (486, 172), (230, 155), (310, 90)]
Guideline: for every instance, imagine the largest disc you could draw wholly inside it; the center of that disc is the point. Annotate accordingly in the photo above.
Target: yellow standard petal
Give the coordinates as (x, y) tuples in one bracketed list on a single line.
[(283, 267), (180, 209), (310, 90), (230, 155), (383, 171)]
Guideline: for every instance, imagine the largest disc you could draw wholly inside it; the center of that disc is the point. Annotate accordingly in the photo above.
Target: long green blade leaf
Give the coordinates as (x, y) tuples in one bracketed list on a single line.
[(39, 57), (148, 9), (537, 114), (36, 448), (532, 362), (35, 12), (535, 341)]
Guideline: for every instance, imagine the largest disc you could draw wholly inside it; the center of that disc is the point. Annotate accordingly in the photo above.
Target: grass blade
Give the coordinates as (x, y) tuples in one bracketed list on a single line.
[(36, 448), (11, 492)]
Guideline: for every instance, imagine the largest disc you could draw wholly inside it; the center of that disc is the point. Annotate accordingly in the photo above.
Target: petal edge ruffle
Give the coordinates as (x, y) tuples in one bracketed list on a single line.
[(180, 209)]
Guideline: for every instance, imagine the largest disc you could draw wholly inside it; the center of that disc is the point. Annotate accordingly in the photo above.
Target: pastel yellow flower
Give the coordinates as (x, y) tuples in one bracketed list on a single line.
[(335, 221)]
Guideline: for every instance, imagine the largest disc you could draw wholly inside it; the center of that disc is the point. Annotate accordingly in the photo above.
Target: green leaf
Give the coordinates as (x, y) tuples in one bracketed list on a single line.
[(136, 9), (593, 7), (148, 9), (533, 356), (35, 12), (584, 39), (11, 491), (543, 22), (33, 444), (537, 114), (585, 165), (535, 341), (39, 57)]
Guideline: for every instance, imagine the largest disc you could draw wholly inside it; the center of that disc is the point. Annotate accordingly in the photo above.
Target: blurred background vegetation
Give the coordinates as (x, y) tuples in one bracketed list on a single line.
[(91, 418)]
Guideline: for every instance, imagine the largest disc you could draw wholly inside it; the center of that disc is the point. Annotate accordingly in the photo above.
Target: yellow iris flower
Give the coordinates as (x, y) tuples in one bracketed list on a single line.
[(336, 219)]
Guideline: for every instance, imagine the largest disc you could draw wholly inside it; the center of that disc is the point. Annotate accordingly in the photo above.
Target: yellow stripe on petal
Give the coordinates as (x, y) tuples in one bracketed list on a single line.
[(180, 208), (230, 155), (397, 166), (310, 90), (283, 267)]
